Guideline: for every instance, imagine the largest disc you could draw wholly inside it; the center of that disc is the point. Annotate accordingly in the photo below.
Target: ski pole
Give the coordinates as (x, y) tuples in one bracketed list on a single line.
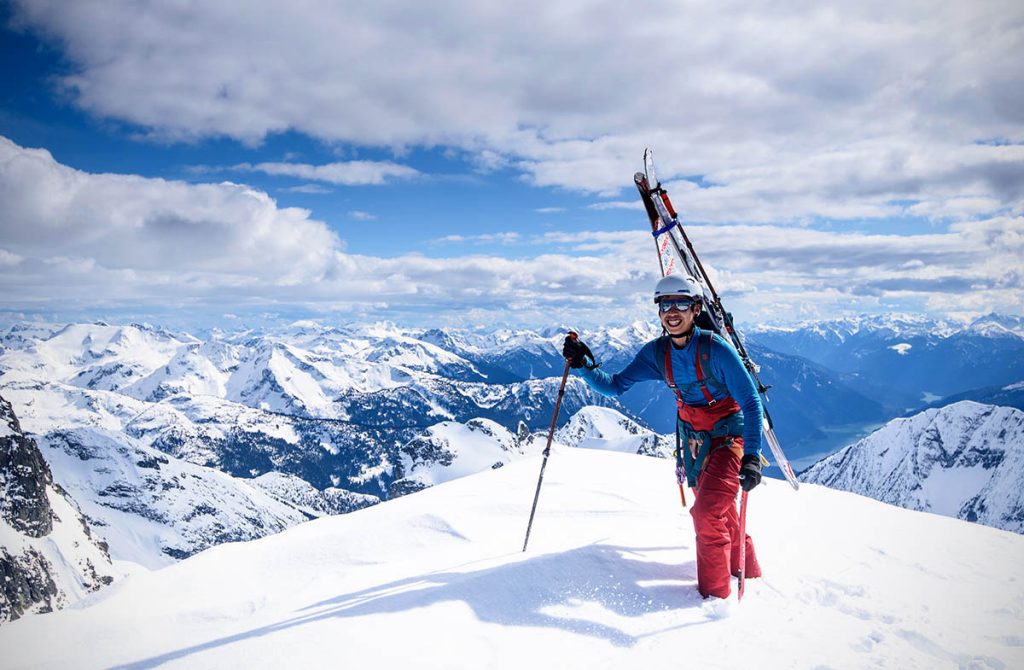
[(743, 545), (547, 452)]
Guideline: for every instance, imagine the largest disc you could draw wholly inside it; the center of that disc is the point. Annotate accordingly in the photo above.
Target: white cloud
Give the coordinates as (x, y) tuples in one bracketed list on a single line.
[(154, 225), (483, 238), (73, 237), (309, 189), (793, 110), (362, 216), (350, 173), (7, 259), (617, 204)]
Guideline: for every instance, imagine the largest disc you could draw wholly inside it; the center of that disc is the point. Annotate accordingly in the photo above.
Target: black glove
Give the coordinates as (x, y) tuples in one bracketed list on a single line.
[(577, 353), (750, 471)]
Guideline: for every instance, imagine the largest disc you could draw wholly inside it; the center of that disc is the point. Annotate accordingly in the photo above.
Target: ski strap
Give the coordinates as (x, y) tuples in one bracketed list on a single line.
[(662, 231)]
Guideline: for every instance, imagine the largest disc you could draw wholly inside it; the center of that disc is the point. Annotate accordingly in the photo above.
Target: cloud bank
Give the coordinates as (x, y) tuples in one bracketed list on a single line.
[(69, 237), (789, 111)]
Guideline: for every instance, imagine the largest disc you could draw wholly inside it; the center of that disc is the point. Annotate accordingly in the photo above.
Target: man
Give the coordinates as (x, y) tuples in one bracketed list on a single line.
[(719, 420)]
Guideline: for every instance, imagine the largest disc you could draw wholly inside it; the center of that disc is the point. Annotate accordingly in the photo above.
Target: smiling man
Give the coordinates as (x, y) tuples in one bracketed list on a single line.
[(719, 422)]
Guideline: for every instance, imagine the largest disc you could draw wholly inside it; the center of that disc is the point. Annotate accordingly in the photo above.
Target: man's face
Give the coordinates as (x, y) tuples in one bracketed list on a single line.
[(678, 322)]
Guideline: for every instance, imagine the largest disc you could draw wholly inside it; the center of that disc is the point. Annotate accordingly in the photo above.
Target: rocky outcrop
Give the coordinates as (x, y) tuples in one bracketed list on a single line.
[(48, 556), (24, 476)]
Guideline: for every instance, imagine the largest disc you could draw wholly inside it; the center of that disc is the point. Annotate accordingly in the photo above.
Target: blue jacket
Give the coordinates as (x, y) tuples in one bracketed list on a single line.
[(725, 376)]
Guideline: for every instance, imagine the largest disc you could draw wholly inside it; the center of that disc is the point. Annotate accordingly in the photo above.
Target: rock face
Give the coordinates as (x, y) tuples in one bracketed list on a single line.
[(25, 476), (48, 556), (965, 460)]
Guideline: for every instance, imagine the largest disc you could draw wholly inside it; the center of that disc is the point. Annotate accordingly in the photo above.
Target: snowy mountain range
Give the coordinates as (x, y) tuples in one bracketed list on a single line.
[(965, 460), (170, 444), (437, 580), (909, 361), (1010, 395)]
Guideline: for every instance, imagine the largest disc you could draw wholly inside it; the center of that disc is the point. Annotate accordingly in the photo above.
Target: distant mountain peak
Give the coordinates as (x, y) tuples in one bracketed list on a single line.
[(964, 460), (606, 429)]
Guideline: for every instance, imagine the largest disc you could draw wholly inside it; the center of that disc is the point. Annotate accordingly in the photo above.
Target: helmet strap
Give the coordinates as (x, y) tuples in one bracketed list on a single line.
[(685, 337)]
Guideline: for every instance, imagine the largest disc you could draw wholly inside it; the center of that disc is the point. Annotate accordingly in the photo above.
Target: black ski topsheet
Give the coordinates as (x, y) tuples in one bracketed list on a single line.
[(677, 255)]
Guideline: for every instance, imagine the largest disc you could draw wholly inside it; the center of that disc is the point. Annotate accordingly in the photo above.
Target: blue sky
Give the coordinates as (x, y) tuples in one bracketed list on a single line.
[(191, 164), (445, 199)]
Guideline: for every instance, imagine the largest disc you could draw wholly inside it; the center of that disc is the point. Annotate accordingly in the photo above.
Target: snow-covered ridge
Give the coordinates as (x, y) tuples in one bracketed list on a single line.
[(298, 372), (605, 429), (608, 582), (450, 450), (152, 508), (964, 460), (907, 361), (896, 325), (153, 478)]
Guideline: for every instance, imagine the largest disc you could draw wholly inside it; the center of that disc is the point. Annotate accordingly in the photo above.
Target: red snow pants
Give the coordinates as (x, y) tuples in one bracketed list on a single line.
[(717, 524)]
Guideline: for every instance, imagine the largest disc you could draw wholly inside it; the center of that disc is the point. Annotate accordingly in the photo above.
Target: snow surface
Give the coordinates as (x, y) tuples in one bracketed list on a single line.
[(437, 580)]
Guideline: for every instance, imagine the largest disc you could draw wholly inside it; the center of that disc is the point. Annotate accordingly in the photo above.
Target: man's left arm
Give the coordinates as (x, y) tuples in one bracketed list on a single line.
[(741, 387)]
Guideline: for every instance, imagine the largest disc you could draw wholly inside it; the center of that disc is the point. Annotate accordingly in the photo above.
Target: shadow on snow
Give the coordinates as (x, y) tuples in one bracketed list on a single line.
[(511, 594)]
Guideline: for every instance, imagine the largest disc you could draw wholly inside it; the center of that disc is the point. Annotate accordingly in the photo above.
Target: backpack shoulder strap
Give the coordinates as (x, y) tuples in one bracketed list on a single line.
[(663, 351), (701, 377), (663, 355)]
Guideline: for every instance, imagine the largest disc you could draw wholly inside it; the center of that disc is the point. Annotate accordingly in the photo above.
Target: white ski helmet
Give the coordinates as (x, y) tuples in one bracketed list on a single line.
[(676, 284)]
